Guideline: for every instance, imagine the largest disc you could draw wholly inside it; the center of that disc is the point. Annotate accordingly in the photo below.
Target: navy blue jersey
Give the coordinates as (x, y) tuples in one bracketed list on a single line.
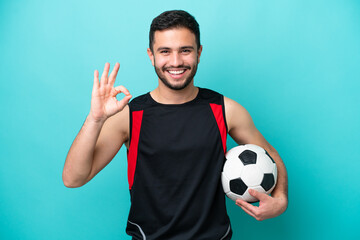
[(175, 160)]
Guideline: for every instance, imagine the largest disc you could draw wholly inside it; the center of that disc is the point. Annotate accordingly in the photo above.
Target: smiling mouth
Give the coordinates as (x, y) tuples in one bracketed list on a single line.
[(176, 72)]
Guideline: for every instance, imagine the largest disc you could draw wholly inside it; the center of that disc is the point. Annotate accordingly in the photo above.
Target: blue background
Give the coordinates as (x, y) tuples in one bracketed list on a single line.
[(294, 65)]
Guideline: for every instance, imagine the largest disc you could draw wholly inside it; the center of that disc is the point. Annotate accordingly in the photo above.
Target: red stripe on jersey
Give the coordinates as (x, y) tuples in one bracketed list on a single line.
[(134, 143), (218, 114)]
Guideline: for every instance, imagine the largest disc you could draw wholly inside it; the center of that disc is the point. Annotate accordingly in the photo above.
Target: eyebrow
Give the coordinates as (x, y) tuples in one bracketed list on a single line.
[(167, 48)]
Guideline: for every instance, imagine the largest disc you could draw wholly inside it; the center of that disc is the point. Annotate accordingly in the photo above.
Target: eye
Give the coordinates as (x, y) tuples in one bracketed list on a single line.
[(164, 51), (186, 50)]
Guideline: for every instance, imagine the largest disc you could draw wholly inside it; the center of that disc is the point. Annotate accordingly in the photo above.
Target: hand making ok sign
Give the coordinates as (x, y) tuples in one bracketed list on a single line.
[(103, 99)]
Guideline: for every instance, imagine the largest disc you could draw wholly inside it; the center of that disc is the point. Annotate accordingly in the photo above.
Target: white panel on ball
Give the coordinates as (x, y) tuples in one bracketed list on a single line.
[(225, 182), (265, 164), (234, 152), (234, 168), (233, 196), (254, 148), (252, 175)]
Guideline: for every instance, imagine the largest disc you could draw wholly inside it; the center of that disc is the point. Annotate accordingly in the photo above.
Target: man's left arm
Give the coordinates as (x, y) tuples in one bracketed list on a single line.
[(242, 129)]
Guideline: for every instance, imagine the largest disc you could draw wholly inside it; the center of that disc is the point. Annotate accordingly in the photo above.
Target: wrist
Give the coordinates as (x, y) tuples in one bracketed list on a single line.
[(92, 120)]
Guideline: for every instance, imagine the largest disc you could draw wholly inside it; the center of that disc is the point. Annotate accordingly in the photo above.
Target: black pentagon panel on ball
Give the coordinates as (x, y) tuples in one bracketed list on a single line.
[(248, 157), (270, 156), (238, 186), (268, 181)]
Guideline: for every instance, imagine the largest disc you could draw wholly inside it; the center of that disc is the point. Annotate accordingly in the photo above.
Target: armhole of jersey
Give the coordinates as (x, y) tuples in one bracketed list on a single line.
[(130, 125), (224, 112)]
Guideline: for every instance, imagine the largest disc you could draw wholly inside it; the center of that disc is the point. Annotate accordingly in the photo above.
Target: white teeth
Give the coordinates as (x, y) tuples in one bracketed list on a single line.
[(176, 72)]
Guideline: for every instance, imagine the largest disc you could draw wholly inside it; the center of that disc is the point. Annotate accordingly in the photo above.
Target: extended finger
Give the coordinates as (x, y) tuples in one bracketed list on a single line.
[(248, 212), (247, 206), (96, 84), (104, 76), (113, 74)]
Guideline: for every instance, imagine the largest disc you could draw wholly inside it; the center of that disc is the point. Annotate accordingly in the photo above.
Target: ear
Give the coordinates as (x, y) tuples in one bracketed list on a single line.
[(151, 56), (199, 52)]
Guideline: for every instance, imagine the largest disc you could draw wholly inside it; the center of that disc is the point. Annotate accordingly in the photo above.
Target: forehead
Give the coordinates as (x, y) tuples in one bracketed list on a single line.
[(174, 38)]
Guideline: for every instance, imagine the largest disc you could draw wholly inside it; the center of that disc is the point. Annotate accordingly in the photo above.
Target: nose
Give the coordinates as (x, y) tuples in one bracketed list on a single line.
[(176, 59)]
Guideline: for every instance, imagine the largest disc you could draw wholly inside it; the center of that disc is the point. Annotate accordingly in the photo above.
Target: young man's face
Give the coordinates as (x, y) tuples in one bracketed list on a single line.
[(175, 57)]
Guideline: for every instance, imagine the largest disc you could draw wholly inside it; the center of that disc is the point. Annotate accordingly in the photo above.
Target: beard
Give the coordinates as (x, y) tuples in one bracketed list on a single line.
[(166, 82)]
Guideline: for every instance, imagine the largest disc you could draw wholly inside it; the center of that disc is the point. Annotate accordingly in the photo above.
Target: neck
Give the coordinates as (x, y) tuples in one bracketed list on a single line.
[(165, 95)]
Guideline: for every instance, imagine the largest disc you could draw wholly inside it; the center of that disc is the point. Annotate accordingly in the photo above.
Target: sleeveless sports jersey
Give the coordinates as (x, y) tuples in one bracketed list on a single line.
[(175, 160)]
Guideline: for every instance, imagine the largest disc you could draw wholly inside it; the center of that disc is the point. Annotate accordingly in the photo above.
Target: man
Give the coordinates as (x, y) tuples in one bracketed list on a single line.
[(176, 142)]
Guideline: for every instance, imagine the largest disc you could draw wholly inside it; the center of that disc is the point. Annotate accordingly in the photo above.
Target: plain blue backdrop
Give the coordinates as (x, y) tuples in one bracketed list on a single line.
[(294, 65)]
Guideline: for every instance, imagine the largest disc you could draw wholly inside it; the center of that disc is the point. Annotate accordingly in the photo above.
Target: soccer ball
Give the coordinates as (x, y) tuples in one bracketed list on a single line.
[(248, 167)]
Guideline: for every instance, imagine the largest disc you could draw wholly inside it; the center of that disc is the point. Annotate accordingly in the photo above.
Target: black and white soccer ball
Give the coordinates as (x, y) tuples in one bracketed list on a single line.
[(248, 167)]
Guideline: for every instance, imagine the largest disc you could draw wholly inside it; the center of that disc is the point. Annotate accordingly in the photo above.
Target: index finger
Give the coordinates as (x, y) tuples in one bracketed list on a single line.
[(96, 80), (122, 89), (247, 206)]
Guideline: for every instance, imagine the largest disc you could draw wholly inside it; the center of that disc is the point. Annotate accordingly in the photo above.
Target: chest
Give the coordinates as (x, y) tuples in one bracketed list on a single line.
[(178, 130)]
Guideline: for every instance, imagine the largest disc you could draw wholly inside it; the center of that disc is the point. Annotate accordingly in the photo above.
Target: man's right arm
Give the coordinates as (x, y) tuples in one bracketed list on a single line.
[(94, 147), (104, 131)]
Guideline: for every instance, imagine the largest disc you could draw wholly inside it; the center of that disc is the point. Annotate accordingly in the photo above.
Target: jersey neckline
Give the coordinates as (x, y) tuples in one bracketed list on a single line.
[(175, 104)]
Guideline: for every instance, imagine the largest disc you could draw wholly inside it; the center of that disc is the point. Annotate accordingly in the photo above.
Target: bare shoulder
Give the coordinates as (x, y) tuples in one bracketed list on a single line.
[(236, 115), (241, 126)]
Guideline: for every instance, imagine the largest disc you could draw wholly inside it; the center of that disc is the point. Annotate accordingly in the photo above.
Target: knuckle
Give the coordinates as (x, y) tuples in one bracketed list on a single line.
[(259, 216)]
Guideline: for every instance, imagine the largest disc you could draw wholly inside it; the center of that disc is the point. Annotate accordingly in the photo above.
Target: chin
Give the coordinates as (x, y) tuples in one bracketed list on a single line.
[(177, 87)]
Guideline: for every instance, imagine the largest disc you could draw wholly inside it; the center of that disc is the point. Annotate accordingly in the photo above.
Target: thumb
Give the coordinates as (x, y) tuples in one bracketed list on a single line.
[(259, 195), (123, 102)]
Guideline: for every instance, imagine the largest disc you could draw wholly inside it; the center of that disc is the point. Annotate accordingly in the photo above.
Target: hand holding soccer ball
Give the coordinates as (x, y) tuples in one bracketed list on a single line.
[(248, 167)]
